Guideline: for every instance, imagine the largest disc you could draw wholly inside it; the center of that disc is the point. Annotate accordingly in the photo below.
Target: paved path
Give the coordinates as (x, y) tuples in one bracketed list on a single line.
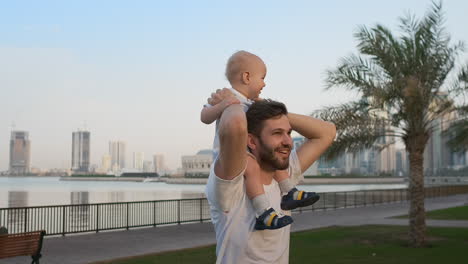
[(87, 248)]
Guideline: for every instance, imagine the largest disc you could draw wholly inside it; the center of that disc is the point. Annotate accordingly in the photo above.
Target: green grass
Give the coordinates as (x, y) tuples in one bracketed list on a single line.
[(454, 213), (363, 244)]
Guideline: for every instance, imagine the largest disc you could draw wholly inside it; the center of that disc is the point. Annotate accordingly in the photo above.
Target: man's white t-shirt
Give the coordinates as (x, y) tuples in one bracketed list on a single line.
[(233, 218), (245, 102)]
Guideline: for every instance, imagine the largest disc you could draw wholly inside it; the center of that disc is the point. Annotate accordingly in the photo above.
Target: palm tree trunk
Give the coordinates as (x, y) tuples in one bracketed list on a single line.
[(417, 213)]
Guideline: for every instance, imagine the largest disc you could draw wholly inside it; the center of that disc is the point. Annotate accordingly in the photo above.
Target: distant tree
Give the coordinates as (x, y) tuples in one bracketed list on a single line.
[(404, 84)]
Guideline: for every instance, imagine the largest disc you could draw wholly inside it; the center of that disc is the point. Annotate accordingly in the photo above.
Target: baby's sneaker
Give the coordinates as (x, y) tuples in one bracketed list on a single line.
[(295, 198), (270, 219)]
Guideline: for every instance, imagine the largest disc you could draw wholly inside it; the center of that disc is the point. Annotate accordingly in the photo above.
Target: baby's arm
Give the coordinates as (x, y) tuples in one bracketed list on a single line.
[(211, 113)]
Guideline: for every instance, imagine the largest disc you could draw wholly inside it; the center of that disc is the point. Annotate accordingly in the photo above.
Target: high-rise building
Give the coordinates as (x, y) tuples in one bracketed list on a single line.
[(80, 151), (20, 153), (159, 164), (437, 154), (106, 163), (117, 153), (313, 169), (138, 158)]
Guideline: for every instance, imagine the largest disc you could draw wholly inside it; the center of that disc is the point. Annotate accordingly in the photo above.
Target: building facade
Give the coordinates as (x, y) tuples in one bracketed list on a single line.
[(117, 154), (81, 149), (20, 153), (106, 163), (198, 165), (138, 159), (159, 164), (313, 169)]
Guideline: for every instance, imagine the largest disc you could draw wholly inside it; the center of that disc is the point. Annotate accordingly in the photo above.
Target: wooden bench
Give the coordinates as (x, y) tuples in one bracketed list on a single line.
[(22, 244)]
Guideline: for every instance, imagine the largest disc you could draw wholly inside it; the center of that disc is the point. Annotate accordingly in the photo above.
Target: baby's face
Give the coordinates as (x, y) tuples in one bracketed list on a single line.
[(257, 79)]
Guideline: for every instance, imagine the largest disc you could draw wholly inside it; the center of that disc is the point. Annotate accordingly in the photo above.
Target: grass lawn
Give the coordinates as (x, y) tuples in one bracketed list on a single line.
[(454, 213), (364, 244)]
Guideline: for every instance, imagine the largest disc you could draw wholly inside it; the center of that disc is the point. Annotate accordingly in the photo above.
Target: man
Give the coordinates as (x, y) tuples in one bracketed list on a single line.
[(266, 130)]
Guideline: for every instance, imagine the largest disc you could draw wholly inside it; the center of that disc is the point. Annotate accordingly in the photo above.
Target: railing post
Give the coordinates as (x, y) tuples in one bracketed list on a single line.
[(63, 220), (324, 201), (154, 213), (345, 199), (365, 198), (178, 212), (25, 220), (127, 215), (201, 211), (355, 199), (335, 200), (97, 218)]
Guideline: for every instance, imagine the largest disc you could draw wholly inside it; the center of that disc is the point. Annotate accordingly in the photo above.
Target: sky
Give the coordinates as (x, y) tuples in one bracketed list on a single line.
[(140, 71)]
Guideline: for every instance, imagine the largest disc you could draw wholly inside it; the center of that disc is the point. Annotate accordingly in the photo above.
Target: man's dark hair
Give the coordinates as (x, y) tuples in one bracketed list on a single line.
[(263, 110)]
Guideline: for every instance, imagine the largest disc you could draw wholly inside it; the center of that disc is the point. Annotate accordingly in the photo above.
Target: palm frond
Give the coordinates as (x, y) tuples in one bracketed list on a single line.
[(358, 127)]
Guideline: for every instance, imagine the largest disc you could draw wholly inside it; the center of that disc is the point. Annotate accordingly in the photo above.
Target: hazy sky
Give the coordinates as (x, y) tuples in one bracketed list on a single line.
[(140, 71)]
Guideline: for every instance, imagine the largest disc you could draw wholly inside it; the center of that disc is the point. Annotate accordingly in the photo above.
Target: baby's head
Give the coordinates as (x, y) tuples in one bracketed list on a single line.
[(246, 73)]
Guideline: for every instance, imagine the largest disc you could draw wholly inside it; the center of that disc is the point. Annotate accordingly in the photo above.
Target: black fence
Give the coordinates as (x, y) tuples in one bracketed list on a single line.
[(68, 219)]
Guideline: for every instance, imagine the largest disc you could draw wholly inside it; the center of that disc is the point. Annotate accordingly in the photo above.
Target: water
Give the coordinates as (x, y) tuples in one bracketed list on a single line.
[(40, 191)]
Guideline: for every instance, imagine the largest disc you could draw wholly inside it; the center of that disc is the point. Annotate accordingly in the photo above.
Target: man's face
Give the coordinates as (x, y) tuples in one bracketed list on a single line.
[(275, 143)]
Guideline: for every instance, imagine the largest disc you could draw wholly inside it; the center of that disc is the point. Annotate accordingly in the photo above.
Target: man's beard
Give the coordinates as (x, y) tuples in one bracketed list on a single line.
[(268, 158)]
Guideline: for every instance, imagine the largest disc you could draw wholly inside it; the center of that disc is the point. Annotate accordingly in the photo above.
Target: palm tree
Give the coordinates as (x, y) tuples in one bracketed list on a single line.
[(404, 83), (458, 131)]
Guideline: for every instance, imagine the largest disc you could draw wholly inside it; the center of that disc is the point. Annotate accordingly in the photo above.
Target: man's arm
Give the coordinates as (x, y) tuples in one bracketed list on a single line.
[(319, 135), (232, 133)]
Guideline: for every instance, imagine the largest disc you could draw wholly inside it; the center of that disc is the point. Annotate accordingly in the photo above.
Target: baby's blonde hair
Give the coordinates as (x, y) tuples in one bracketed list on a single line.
[(238, 63)]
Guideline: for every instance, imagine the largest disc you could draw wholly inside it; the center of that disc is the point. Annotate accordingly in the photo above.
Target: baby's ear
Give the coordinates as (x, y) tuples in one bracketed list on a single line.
[(246, 77)]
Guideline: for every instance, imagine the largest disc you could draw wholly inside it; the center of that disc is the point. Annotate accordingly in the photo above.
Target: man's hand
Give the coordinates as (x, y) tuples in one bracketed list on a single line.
[(220, 95)]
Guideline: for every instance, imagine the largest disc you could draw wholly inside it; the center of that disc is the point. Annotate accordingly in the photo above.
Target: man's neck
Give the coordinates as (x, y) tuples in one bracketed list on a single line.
[(266, 174)]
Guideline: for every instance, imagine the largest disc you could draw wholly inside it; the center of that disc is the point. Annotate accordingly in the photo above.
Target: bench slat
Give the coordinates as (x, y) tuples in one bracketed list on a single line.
[(23, 244)]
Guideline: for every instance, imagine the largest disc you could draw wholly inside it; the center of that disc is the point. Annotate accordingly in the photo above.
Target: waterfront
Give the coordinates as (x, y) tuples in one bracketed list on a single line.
[(41, 191)]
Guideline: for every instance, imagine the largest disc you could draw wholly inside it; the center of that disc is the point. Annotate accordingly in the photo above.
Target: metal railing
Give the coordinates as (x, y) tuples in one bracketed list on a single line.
[(68, 219)]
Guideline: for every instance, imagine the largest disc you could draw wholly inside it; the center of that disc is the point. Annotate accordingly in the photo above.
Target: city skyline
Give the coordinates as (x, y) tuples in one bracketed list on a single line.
[(140, 72)]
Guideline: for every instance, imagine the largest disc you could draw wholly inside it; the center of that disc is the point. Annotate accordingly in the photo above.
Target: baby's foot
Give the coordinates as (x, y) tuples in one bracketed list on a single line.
[(270, 219), (295, 198)]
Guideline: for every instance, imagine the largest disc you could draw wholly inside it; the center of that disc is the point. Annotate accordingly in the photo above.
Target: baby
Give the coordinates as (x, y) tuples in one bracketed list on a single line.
[(246, 73)]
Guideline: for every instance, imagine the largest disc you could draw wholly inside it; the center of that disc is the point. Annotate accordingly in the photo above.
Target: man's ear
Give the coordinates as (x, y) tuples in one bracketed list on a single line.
[(251, 142), (246, 77)]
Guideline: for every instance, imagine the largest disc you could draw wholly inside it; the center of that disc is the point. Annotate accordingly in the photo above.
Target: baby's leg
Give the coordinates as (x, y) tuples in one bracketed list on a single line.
[(283, 180), (293, 197), (266, 216), (253, 183)]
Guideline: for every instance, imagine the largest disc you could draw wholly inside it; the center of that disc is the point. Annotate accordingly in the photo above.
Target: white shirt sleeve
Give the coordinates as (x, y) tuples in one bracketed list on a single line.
[(223, 194), (295, 168)]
